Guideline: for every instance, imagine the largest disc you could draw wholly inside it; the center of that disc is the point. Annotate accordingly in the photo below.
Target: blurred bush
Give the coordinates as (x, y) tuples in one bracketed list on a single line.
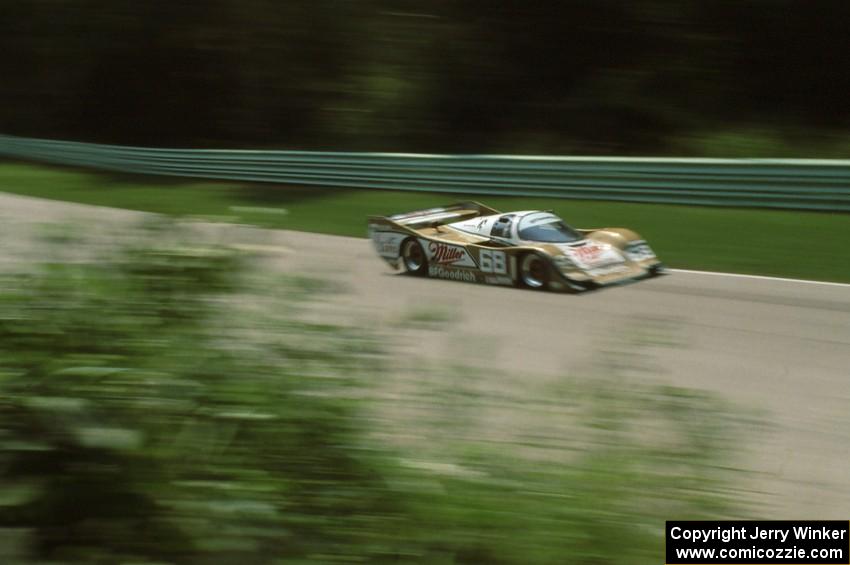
[(141, 420), (165, 404)]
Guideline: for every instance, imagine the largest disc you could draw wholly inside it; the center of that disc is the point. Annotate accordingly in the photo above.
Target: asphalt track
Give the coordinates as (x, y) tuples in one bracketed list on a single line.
[(778, 348)]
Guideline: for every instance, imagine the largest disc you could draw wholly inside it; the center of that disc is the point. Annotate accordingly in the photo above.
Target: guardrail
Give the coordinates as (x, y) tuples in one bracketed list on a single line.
[(805, 184)]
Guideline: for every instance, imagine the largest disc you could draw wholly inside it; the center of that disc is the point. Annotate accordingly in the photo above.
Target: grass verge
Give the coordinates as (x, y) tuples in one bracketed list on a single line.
[(809, 245)]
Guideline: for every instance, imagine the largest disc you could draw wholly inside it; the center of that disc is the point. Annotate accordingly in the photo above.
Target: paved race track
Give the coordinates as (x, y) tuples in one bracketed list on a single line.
[(780, 348)]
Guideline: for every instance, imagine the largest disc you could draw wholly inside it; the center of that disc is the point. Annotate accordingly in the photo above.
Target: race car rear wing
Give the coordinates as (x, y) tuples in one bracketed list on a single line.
[(439, 216)]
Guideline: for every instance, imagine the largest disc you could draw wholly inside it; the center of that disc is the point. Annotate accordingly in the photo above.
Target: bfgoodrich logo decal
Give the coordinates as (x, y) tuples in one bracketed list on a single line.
[(440, 272)]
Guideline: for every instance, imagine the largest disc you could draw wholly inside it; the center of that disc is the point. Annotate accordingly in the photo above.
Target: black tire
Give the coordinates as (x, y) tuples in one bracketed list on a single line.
[(413, 257), (534, 272)]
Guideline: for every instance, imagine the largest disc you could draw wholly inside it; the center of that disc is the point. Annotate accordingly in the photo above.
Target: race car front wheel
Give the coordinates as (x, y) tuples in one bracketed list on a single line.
[(413, 257), (533, 271)]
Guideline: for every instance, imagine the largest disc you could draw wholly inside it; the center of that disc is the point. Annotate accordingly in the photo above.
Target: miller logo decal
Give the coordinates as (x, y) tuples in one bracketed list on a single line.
[(442, 253)]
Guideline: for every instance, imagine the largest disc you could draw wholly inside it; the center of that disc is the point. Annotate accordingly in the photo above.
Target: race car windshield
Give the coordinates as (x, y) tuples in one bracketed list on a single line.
[(548, 230)]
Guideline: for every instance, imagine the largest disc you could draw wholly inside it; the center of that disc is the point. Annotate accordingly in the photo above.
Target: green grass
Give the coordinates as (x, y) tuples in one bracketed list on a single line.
[(810, 245)]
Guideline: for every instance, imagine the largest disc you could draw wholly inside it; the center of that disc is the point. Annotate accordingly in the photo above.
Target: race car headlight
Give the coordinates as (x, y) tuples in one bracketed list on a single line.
[(639, 250), (564, 263)]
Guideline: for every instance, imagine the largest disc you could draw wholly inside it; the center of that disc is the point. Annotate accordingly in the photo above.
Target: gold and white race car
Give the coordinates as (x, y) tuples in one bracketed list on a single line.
[(471, 242)]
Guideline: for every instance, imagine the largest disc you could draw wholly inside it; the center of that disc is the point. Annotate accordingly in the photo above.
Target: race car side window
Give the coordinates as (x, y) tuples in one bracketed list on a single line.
[(502, 228)]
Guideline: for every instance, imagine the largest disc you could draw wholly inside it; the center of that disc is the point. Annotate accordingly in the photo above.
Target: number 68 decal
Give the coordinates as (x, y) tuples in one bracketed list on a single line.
[(493, 262)]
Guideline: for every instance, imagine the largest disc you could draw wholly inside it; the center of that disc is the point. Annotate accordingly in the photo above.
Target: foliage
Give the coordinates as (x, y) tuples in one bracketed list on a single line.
[(603, 501), (164, 403), (603, 77), (142, 420), (581, 470)]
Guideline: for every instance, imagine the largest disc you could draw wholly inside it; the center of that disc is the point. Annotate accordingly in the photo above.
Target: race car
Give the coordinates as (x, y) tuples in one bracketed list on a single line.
[(469, 241)]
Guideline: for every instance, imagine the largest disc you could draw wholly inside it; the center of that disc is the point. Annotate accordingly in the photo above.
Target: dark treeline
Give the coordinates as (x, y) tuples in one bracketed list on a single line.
[(583, 77)]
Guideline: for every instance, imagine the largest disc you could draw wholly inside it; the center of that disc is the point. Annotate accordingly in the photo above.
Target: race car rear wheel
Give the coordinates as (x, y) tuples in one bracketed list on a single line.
[(413, 257), (533, 271)]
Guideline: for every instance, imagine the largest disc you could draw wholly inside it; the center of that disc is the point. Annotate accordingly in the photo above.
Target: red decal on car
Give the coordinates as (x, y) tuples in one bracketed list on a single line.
[(442, 253), (587, 253)]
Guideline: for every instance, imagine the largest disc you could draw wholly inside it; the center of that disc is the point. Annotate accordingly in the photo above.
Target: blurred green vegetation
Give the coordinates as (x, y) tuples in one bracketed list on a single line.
[(163, 402), (140, 422), (682, 77), (795, 244)]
